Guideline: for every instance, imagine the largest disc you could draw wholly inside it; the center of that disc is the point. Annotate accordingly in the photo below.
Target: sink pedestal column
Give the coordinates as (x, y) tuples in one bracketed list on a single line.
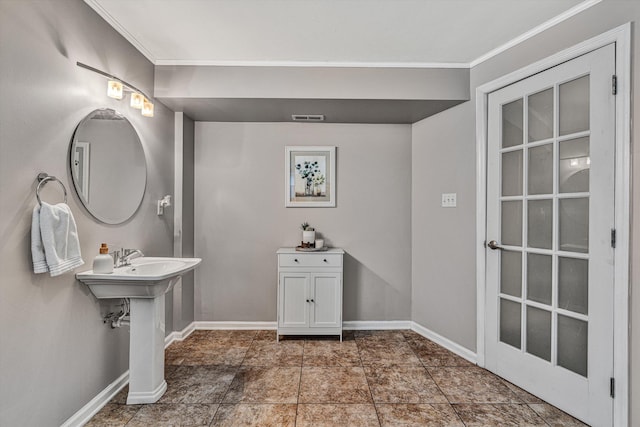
[(146, 350)]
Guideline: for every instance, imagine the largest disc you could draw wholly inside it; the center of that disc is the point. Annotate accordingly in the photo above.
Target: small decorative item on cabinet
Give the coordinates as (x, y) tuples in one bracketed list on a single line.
[(308, 235), (309, 242)]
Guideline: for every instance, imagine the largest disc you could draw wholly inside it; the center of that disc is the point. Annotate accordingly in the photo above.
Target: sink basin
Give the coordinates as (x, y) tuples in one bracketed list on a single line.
[(155, 268), (146, 277)]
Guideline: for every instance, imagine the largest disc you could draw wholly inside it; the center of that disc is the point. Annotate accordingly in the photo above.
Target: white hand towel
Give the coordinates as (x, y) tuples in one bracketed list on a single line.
[(37, 250), (58, 237)]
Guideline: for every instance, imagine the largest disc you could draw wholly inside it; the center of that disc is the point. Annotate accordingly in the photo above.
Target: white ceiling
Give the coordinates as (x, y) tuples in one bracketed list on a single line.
[(349, 32)]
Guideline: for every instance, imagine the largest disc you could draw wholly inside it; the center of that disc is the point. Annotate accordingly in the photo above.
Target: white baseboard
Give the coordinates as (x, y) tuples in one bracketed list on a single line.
[(179, 335), (83, 416), (346, 325), (212, 325), (445, 342), (360, 325)]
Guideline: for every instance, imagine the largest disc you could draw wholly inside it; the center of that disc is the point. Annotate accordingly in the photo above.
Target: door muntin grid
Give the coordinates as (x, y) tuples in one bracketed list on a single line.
[(544, 223)]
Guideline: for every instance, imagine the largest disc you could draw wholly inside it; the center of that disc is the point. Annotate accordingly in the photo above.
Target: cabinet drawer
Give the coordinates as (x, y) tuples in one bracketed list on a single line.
[(310, 260)]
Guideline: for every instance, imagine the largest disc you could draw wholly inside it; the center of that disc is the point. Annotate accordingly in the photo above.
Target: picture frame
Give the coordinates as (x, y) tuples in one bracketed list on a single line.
[(310, 176)]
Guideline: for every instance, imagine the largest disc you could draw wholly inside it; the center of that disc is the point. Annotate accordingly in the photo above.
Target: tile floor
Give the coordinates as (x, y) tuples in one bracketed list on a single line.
[(372, 378)]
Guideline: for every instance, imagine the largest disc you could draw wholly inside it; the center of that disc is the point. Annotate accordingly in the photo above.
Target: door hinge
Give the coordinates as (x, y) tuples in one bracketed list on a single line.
[(612, 387), (613, 237), (614, 84)]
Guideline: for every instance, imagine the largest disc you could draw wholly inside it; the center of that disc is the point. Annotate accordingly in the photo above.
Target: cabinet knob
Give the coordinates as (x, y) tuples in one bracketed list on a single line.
[(312, 301), (295, 260), (307, 300), (325, 260)]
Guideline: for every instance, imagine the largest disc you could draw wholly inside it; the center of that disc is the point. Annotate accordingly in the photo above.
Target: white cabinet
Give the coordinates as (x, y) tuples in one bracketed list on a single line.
[(310, 292)]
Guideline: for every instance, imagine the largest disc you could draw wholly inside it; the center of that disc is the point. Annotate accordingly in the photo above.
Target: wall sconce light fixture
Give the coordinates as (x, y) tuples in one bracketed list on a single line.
[(137, 100), (116, 88), (147, 109)]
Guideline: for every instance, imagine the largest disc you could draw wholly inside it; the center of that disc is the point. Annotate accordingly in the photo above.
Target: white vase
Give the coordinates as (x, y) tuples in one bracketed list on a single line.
[(308, 236)]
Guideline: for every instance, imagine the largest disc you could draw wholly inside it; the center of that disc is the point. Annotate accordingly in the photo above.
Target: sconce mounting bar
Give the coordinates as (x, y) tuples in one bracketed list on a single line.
[(111, 76)]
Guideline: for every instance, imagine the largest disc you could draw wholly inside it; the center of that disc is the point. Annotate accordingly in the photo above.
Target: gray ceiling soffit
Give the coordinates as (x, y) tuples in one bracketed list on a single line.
[(311, 83), (335, 110), (343, 95)]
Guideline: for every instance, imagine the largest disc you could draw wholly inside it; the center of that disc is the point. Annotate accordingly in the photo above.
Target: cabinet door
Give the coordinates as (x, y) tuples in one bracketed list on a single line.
[(326, 296), (293, 307)]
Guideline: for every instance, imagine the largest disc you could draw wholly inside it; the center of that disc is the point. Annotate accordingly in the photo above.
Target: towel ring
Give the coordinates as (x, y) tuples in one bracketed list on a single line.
[(43, 178)]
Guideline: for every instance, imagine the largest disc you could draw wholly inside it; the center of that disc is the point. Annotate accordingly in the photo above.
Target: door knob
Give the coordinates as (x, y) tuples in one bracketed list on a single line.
[(494, 245)]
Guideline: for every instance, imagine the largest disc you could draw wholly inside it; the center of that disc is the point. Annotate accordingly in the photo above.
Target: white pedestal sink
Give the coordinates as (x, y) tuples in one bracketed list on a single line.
[(144, 282)]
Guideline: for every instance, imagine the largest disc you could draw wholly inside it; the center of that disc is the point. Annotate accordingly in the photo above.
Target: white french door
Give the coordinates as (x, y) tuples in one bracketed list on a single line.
[(550, 216)]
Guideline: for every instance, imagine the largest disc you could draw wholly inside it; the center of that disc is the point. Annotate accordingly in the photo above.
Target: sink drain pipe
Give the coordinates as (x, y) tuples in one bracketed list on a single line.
[(120, 319)]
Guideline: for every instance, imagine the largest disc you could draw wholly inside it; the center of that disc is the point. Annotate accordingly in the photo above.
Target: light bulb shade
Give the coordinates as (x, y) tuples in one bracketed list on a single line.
[(114, 89), (137, 100), (147, 109)]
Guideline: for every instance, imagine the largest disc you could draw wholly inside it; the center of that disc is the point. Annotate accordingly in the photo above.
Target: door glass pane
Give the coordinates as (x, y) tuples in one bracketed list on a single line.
[(574, 165), (511, 273), (572, 344), (573, 284), (510, 322), (539, 333), (574, 106), (541, 115), (539, 278), (540, 223), (512, 124), (541, 169), (512, 173), (574, 224), (511, 223)]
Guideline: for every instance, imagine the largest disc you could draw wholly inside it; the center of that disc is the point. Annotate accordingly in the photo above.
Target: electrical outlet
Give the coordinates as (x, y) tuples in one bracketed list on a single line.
[(449, 200)]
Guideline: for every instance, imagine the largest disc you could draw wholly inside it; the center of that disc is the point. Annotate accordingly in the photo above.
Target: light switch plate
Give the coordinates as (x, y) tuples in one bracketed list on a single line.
[(449, 200)]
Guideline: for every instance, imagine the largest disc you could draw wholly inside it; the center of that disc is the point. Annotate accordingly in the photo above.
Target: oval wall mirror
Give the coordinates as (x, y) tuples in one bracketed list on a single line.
[(108, 166)]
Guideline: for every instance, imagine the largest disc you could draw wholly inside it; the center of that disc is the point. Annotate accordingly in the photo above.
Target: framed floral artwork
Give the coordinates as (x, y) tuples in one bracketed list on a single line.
[(310, 176)]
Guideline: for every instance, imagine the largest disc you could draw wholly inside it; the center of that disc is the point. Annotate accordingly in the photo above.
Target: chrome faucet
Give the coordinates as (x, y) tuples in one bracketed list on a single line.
[(125, 256)]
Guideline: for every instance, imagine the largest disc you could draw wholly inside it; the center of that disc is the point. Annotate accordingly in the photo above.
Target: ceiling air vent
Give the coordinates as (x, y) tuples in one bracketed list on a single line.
[(308, 117)]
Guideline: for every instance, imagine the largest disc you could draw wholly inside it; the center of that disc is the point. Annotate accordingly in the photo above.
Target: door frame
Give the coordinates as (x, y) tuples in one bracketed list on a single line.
[(621, 36)]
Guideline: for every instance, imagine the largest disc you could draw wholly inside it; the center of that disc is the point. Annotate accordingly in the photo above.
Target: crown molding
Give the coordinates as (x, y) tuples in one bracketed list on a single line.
[(535, 31), (97, 7)]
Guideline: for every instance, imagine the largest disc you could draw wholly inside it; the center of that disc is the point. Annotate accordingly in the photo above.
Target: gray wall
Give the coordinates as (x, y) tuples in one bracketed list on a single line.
[(241, 219), (186, 298), (55, 352), (188, 189), (441, 287), (443, 267)]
